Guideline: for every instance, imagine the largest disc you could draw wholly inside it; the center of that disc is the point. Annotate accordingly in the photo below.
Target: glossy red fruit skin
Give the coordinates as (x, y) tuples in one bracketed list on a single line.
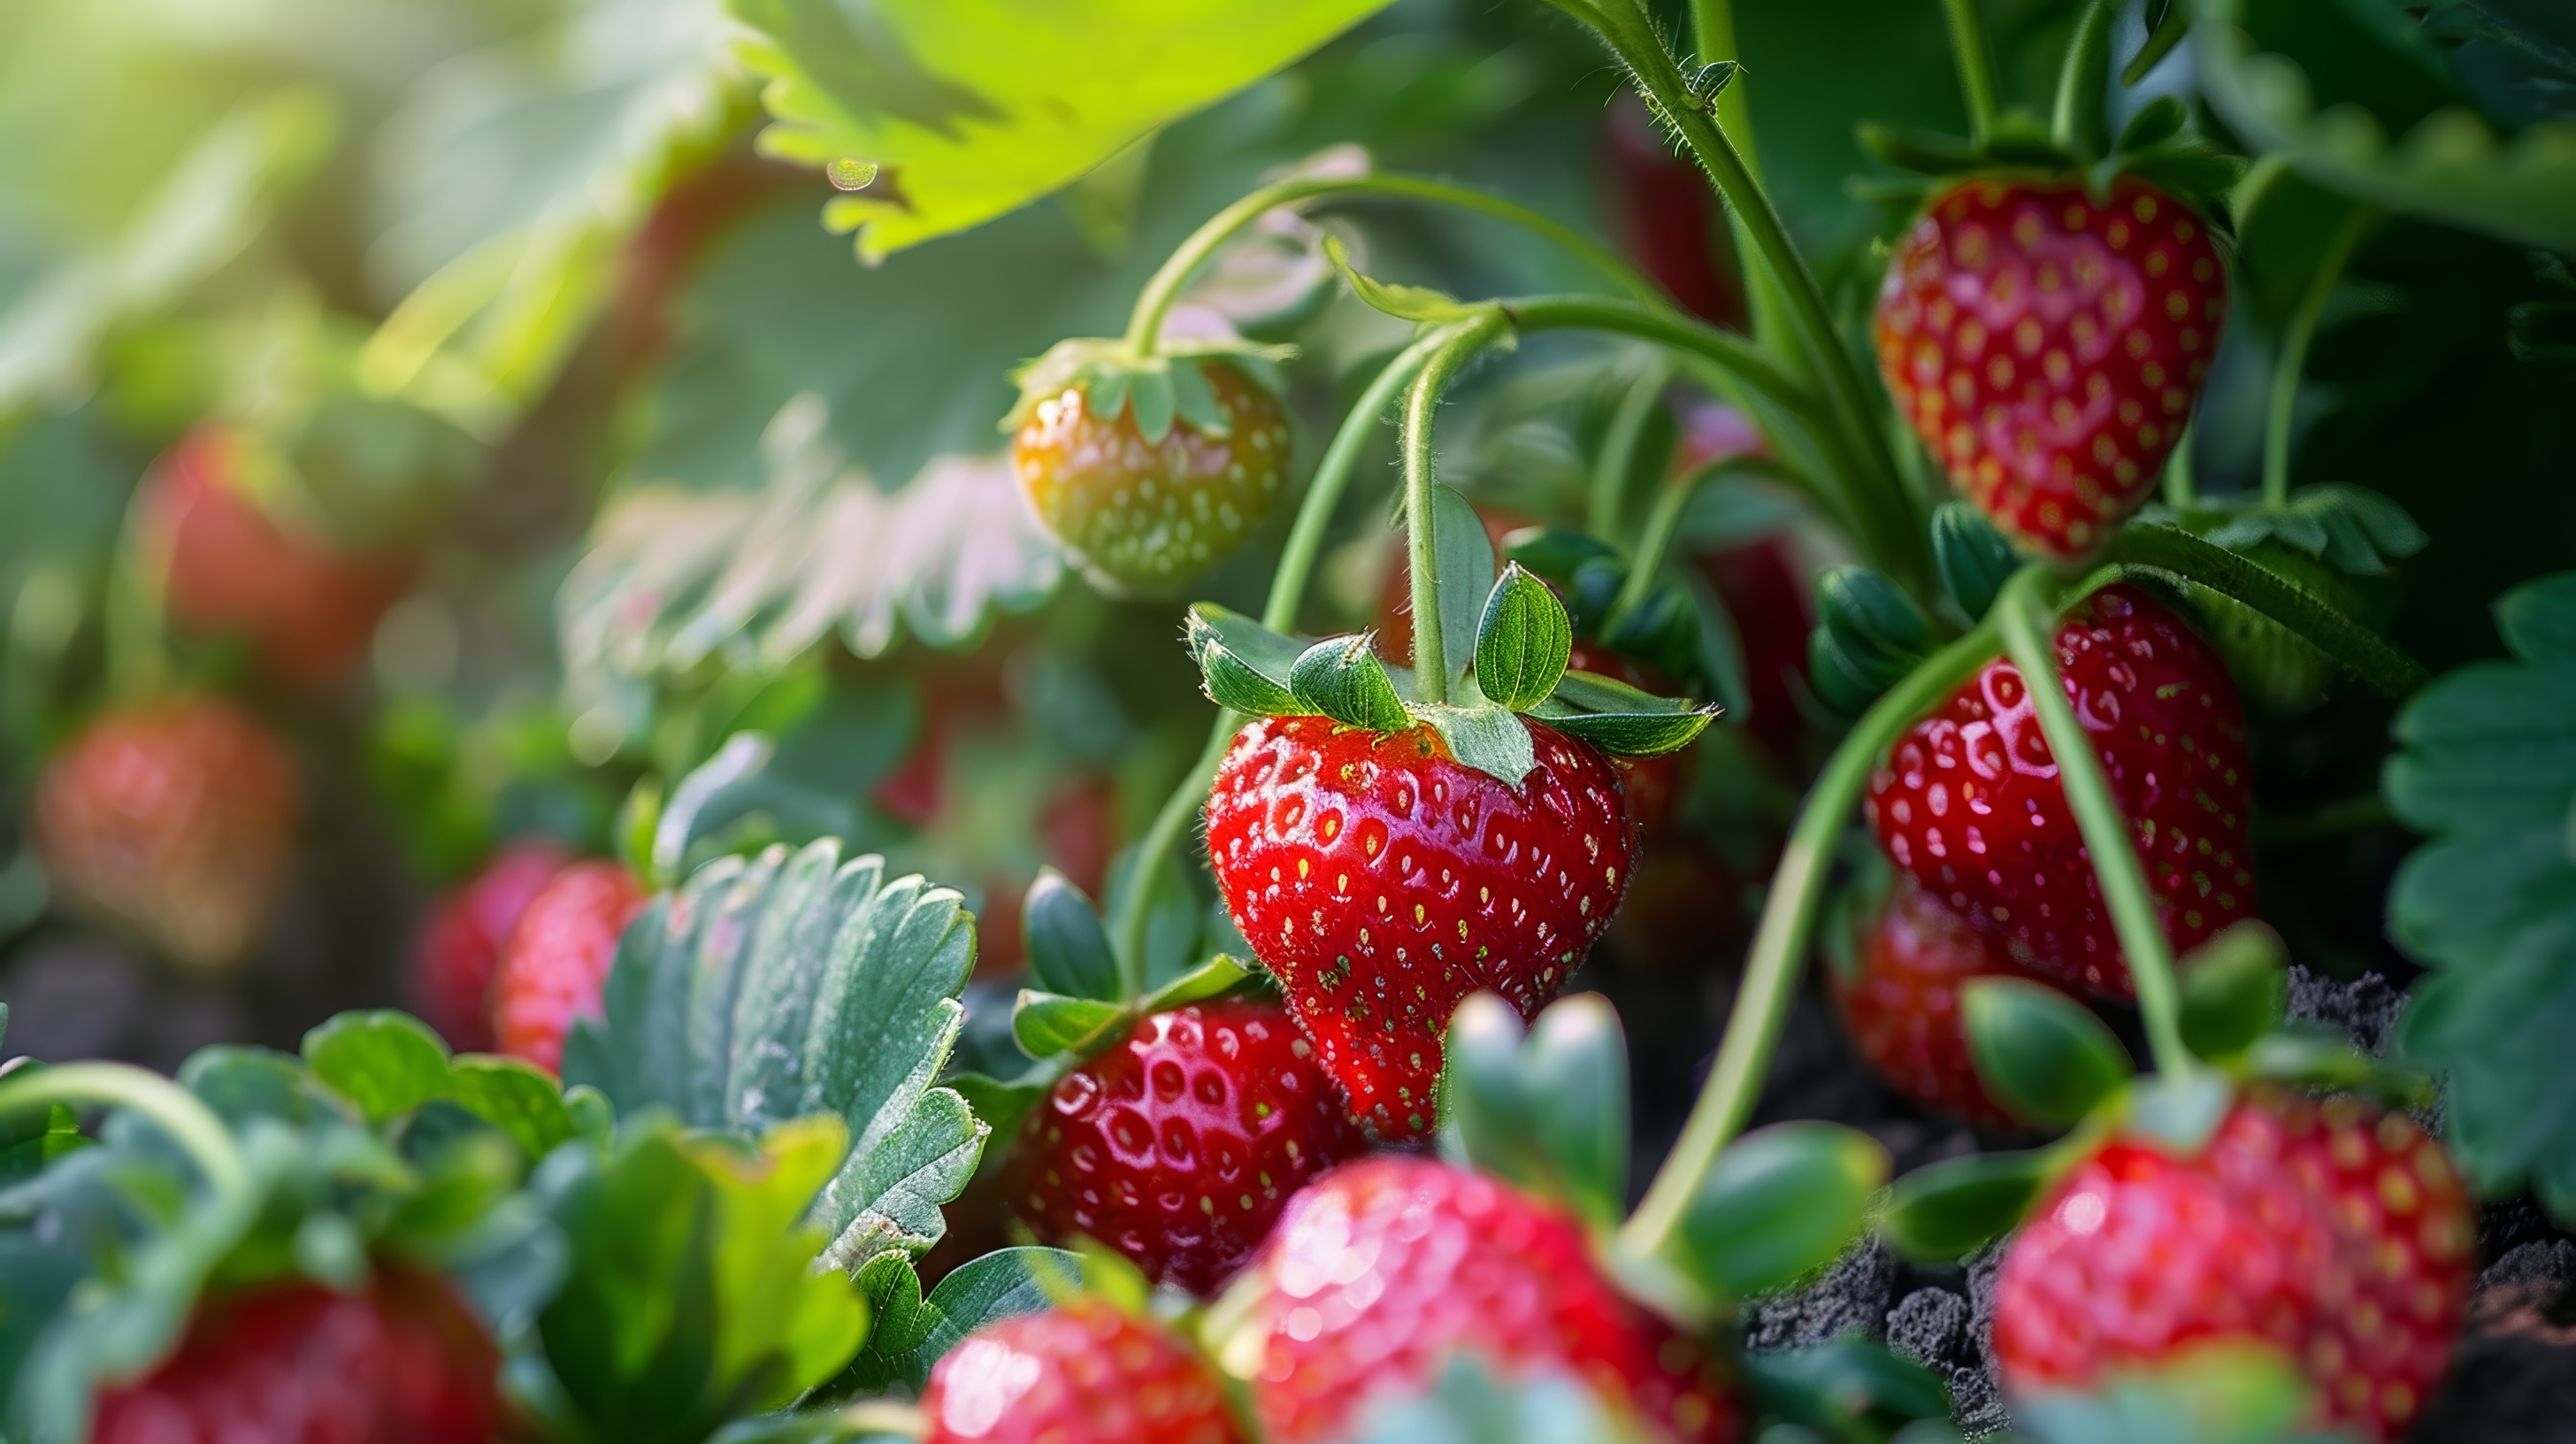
[(2047, 347), (402, 1362), (1145, 517), (1900, 1002), (558, 958), (1179, 1145), (1078, 1373), (1968, 799), (177, 819), (1382, 882), (2332, 1231), (459, 950), (309, 612), (1384, 1268)]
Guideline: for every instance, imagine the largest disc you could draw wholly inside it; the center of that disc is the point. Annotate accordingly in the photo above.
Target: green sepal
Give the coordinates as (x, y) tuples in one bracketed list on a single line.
[(1405, 303), (1149, 395), (2158, 121), (1243, 665), (1547, 1111), (2315, 1057), (1845, 1389), (1875, 625), (1779, 1204), (1480, 735), (2234, 990), (1194, 400), (1215, 978), (1170, 384), (1342, 678), (1621, 719), (1068, 948), (2179, 1112), (2042, 1054), (1046, 1024), (1973, 558), (2233, 1391), (1950, 1209), (1522, 641)]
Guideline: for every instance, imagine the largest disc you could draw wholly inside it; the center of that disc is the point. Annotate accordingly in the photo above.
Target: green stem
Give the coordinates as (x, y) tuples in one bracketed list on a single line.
[(189, 1123), (1145, 323), (2176, 24), (1666, 519), (1422, 404), (1607, 506), (1287, 588), (2027, 620), (2075, 120), (2293, 359), (1976, 70), (1780, 941)]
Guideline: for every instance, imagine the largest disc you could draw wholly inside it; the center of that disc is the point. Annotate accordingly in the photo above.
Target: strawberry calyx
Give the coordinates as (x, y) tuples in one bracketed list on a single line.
[(1166, 386), (1661, 631), (1519, 646), (2157, 146)]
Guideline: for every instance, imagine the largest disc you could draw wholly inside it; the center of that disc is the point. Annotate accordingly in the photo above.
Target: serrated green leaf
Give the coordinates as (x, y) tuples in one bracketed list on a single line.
[(969, 109), (1068, 948), (387, 1063), (788, 985), (1048, 1023), (1949, 1209), (1522, 641), (911, 1333), (1245, 665), (2235, 988), (1778, 1204), (1342, 678), (2041, 1054)]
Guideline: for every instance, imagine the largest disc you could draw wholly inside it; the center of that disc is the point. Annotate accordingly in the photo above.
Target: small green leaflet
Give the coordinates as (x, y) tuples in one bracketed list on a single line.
[(2488, 771), (783, 985), (1341, 678), (1619, 718), (389, 1063), (1522, 641), (1245, 665), (1405, 303), (910, 1332), (967, 109)]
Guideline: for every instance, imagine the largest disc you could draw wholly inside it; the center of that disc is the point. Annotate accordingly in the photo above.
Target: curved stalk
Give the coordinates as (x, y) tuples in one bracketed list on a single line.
[(2026, 619), (1145, 323), (188, 1123), (2293, 360), (1606, 507), (1780, 942), (1430, 660), (1976, 69), (2075, 119), (1287, 588), (1657, 538)]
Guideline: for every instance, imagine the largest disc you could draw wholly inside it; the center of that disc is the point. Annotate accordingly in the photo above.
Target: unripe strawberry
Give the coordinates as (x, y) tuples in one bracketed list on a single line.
[(1079, 1373), (2330, 1231), (175, 819), (559, 956), (400, 1362), (459, 948), (2047, 346)]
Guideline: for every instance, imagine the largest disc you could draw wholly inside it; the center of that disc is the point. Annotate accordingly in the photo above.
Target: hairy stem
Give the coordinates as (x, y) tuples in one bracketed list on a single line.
[(1145, 323), (2293, 360), (1422, 404), (1976, 69), (2026, 617), (1780, 941), (1287, 589)]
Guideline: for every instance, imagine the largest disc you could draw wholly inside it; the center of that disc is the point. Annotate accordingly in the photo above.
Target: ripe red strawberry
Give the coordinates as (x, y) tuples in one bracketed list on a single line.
[(1078, 1373), (1385, 1268), (1179, 1146), (1381, 882), (558, 958), (176, 819), (1900, 1002), (2336, 1233), (1969, 801), (297, 1363), (2047, 346), (308, 611), (1146, 516), (459, 949)]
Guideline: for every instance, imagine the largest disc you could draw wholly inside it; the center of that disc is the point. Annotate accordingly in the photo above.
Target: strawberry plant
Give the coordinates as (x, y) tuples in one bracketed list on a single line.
[(1241, 723)]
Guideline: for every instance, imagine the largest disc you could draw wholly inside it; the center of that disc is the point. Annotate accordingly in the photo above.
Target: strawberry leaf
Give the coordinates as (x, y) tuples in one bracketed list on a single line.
[(1522, 641), (1342, 678), (1245, 666), (388, 1064), (910, 1333), (1068, 948), (1778, 1204), (1950, 1209), (2488, 772), (773, 987), (2042, 1054)]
